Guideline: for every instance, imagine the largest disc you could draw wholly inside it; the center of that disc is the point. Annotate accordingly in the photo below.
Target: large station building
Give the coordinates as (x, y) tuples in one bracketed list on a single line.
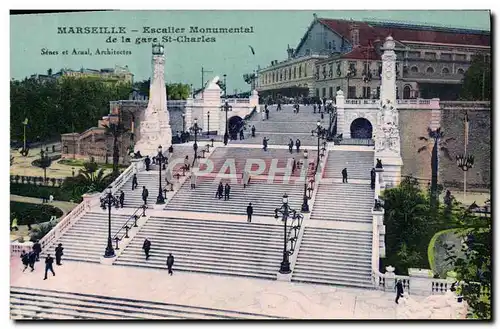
[(338, 54)]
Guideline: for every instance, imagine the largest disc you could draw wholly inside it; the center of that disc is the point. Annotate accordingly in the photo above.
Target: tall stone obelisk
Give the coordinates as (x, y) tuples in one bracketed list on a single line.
[(387, 139), (155, 127)]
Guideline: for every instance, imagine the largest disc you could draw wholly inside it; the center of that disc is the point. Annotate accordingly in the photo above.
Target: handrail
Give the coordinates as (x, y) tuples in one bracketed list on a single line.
[(125, 226), (119, 181), (296, 229)]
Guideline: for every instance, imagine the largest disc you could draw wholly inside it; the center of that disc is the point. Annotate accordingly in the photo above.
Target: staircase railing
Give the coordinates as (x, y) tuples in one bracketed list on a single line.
[(120, 181), (123, 231), (294, 228)]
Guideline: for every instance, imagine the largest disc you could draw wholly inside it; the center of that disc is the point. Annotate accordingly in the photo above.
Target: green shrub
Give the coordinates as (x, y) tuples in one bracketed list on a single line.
[(36, 191), (42, 229), (30, 213)]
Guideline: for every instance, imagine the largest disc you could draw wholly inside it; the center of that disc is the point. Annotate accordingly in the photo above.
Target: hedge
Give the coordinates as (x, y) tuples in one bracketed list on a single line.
[(36, 191), (31, 213)]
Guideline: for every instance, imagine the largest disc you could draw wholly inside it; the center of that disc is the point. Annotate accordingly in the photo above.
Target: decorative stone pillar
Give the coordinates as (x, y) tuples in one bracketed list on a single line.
[(254, 99), (390, 278), (91, 200), (339, 101), (378, 218), (138, 164)]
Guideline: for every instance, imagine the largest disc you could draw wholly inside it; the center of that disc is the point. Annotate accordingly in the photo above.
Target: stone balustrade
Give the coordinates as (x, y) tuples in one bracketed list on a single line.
[(137, 165), (417, 103)]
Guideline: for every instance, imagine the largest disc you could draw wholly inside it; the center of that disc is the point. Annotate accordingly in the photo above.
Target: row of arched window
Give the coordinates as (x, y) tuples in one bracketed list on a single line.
[(430, 70), (285, 74)]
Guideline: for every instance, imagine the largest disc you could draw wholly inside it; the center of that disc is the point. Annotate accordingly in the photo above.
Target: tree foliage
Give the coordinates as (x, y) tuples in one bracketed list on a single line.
[(175, 91), (115, 130), (60, 106), (476, 84)]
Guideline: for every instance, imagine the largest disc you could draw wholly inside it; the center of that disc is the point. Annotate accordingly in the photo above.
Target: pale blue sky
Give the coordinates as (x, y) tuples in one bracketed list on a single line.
[(274, 30)]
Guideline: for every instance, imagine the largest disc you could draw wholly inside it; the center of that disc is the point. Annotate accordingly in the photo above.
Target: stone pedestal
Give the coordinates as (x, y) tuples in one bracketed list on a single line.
[(284, 277), (138, 164), (421, 281), (390, 277), (91, 200), (392, 163)]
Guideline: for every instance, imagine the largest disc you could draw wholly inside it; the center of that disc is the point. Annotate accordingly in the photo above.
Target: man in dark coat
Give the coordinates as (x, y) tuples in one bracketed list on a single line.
[(372, 178), (32, 260), (314, 108), (48, 266), (145, 194), (242, 136), (25, 259), (399, 290), (171, 149), (290, 145), (344, 175), (220, 190), (122, 198), (170, 263), (267, 114), (59, 253), (264, 143), (37, 248), (146, 246), (253, 131), (227, 189), (147, 161), (134, 182), (297, 145), (294, 165), (249, 212)]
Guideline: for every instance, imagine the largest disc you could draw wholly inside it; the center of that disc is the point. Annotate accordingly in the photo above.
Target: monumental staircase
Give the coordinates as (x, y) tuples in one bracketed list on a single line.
[(283, 125), (358, 164), (41, 304), (208, 246)]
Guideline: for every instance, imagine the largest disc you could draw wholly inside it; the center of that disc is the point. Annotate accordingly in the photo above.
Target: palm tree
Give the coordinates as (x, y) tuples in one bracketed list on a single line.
[(436, 137), (116, 130)]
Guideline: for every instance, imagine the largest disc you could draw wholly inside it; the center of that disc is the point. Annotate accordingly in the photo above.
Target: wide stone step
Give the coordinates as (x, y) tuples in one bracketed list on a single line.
[(348, 268), (319, 241), (345, 249), (249, 231), (323, 273), (338, 281), (213, 223), (209, 237), (348, 259)]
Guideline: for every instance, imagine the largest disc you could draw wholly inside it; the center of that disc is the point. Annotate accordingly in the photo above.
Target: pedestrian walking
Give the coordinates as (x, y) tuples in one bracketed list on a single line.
[(25, 259), (220, 190), (294, 165), (263, 114), (170, 263), (186, 162), (267, 114), (290, 146), (399, 290), (145, 194), (147, 161), (314, 108), (122, 198), (372, 178), (298, 108), (134, 182), (37, 248), (242, 136), (249, 212), (344, 175), (146, 246), (51, 198), (246, 178), (48, 266), (227, 190), (264, 143), (297, 145), (171, 149), (32, 260), (253, 131), (59, 253), (193, 179)]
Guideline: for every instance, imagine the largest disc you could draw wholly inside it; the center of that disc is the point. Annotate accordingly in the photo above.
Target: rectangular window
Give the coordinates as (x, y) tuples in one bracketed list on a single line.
[(352, 92), (460, 57), (324, 92), (317, 92), (378, 92), (338, 88), (366, 92), (331, 92), (366, 67), (414, 54), (446, 56), (429, 55)]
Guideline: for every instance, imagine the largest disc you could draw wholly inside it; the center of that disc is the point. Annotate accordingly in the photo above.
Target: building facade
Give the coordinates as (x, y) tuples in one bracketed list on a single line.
[(345, 54), (115, 75)]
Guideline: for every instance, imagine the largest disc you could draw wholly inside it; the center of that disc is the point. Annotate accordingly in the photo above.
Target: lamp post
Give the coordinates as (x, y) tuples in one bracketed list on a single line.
[(195, 129), (208, 123), (305, 206), (465, 162), (109, 200), (45, 162), (285, 210), (320, 132), (159, 160), (225, 87), (25, 123), (226, 107)]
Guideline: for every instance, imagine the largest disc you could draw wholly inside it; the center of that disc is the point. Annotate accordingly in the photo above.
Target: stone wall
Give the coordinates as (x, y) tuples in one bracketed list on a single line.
[(414, 123)]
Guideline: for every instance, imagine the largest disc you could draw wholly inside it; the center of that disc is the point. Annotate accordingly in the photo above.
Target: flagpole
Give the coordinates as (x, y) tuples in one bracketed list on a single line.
[(466, 140)]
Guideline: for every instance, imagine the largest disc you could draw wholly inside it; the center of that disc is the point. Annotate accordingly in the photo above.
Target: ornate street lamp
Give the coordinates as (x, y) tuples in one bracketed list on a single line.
[(195, 129), (226, 107), (160, 159), (320, 132), (285, 210), (465, 162), (45, 162), (109, 200), (208, 122), (305, 205)]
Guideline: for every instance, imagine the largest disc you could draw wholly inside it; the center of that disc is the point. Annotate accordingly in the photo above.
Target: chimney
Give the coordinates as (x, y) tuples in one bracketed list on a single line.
[(354, 29)]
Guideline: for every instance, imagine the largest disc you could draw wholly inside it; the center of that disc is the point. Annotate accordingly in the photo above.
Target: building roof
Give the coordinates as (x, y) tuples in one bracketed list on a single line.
[(371, 31)]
